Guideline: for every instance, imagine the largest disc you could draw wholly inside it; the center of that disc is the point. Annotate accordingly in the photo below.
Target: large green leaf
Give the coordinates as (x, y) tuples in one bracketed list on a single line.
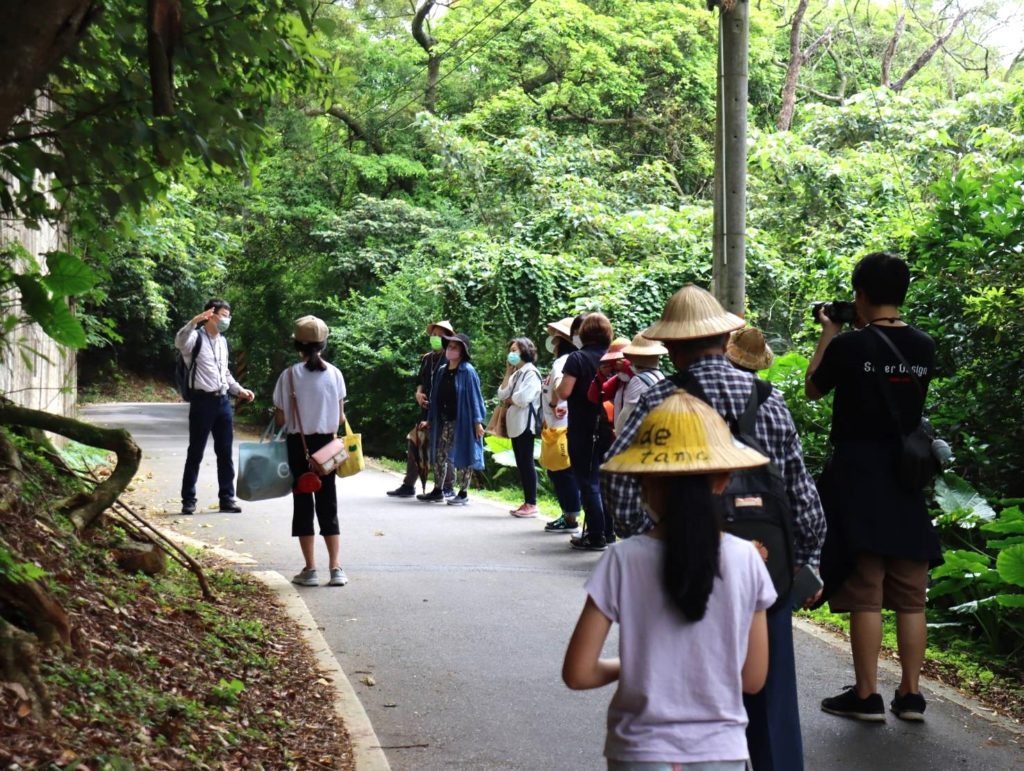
[(954, 494), (67, 274), (1010, 600), (1010, 564), (1010, 522)]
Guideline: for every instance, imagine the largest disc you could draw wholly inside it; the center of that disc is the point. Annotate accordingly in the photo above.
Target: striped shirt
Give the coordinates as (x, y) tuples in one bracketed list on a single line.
[(728, 390)]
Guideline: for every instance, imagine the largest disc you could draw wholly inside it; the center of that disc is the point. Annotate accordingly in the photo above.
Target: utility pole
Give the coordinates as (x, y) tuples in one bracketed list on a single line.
[(730, 212)]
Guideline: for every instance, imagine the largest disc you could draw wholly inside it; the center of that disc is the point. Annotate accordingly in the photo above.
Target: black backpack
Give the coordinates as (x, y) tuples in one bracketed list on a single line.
[(185, 375), (756, 504)]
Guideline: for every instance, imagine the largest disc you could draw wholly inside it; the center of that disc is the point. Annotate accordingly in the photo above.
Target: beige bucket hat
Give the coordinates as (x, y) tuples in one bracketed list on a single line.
[(692, 313), (641, 346), (747, 348), (561, 328), (309, 329), (683, 435), (445, 325)]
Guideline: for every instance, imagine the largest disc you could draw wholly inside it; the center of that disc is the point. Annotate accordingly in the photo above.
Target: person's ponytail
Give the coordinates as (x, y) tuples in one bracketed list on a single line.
[(692, 526), (313, 353)]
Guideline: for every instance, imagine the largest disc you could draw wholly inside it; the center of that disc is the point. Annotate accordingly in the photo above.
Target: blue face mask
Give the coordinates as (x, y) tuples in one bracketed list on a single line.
[(223, 324), (514, 359)]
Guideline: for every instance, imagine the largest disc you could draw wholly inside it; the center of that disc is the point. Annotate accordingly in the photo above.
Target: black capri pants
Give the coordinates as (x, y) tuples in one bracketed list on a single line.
[(324, 502)]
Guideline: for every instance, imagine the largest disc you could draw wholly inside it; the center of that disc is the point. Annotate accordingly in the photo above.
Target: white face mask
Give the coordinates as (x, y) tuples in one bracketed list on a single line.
[(549, 345), (577, 341), (623, 376)]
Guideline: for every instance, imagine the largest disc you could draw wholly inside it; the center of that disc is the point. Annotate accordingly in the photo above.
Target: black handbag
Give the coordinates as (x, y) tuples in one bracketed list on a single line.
[(916, 464)]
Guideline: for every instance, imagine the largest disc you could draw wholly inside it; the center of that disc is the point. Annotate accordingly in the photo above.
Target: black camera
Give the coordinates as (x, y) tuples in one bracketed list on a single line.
[(839, 311)]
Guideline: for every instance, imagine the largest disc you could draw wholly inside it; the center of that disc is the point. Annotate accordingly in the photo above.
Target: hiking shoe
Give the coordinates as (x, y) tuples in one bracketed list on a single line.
[(909, 706), (306, 577), (526, 511), (434, 496), (849, 704), (589, 542), (459, 500), (188, 509), (338, 577), (230, 507), (402, 491), (562, 525)]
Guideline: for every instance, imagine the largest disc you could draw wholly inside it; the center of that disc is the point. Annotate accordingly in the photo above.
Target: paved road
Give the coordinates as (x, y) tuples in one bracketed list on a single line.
[(461, 616)]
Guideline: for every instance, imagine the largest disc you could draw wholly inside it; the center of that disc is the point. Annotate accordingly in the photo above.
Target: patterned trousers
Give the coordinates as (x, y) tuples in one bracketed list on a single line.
[(445, 440)]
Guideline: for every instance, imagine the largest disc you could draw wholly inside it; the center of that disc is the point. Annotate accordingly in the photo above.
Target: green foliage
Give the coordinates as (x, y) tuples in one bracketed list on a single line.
[(228, 692), (18, 572), (984, 582)]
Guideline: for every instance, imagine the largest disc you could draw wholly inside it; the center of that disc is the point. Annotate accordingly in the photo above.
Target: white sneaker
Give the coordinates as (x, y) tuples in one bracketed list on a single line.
[(338, 577), (306, 577)]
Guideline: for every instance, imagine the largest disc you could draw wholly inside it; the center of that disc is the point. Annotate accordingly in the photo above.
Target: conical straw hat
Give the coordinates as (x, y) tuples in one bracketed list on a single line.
[(561, 328), (683, 435), (615, 349), (748, 349), (641, 346), (445, 325), (692, 313)]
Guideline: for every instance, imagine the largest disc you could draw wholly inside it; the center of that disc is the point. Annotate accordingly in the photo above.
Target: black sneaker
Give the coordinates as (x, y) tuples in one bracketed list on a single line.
[(459, 500), (849, 704), (562, 525), (402, 491), (188, 509), (434, 496), (589, 542), (230, 507), (909, 706)]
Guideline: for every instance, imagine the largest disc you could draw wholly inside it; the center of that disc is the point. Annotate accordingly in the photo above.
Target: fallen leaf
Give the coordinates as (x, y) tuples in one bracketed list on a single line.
[(368, 680), (24, 709)]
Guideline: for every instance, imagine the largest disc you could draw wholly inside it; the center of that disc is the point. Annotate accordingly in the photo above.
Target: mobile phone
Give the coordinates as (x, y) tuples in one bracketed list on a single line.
[(805, 585)]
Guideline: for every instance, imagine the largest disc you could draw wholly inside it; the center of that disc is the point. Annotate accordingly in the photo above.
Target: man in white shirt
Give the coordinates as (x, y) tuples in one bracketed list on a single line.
[(210, 408)]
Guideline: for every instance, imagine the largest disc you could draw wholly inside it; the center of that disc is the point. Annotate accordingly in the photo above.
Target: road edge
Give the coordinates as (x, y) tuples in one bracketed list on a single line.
[(366, 751), (367, 754)]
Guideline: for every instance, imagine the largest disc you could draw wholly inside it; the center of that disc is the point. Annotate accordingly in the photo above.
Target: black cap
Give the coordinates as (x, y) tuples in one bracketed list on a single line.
[(462, 339)]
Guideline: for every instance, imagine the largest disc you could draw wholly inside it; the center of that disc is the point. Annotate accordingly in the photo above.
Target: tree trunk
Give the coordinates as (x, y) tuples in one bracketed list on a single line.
[(34, 36), (422, 36), (796, 61), (83, 509), (928, 53), (890, 50)]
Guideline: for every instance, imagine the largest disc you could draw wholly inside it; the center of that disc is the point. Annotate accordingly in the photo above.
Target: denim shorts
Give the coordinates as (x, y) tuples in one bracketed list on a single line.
[(711, 765)]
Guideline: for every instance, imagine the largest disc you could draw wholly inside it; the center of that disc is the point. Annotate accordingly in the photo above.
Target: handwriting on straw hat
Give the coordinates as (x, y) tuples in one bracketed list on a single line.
[(662, 437)]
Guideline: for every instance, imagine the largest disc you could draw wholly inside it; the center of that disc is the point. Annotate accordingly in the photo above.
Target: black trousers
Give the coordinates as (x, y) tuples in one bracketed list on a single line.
[(522, 447), (324, 502)]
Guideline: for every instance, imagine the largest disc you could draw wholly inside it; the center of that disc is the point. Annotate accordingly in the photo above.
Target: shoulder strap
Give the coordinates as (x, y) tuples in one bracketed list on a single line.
[(759, 394), (892, 346), (191, 379), (886, 386), (295, 409)]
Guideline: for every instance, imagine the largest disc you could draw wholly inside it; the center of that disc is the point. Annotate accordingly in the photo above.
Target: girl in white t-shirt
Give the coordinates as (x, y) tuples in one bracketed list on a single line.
[(317, 388), (689, 599)]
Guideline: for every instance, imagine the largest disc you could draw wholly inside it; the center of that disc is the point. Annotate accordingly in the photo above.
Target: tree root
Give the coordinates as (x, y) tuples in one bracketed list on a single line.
[(18, 664), (83, 509)]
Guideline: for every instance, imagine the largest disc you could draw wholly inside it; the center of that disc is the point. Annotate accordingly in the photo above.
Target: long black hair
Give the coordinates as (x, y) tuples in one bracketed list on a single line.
[(693, 532), (312, 352)]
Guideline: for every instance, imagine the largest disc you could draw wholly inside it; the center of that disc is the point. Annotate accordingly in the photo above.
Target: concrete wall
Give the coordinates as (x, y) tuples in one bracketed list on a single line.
[(34, 371)]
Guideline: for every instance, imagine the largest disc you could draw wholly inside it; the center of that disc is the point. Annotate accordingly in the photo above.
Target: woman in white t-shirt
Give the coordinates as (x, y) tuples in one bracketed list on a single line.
[(555, 413), (320, 396), (679, 701)]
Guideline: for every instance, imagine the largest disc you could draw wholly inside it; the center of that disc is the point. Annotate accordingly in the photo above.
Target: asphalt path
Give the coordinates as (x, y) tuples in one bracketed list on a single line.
[(454, 624)]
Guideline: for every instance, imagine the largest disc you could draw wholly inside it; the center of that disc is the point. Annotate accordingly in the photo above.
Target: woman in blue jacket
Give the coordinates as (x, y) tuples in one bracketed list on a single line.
[(456, 416)]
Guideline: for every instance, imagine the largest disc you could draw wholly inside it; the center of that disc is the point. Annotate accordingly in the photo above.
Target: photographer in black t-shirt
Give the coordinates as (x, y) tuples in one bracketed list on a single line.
[(880, 540)]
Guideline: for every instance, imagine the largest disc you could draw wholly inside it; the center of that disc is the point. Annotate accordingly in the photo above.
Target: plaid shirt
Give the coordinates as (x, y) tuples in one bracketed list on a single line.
[(728, 390)]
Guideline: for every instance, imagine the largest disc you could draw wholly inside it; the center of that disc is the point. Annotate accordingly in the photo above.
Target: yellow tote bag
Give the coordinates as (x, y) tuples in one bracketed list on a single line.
[(354, 462), (554, 449)]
